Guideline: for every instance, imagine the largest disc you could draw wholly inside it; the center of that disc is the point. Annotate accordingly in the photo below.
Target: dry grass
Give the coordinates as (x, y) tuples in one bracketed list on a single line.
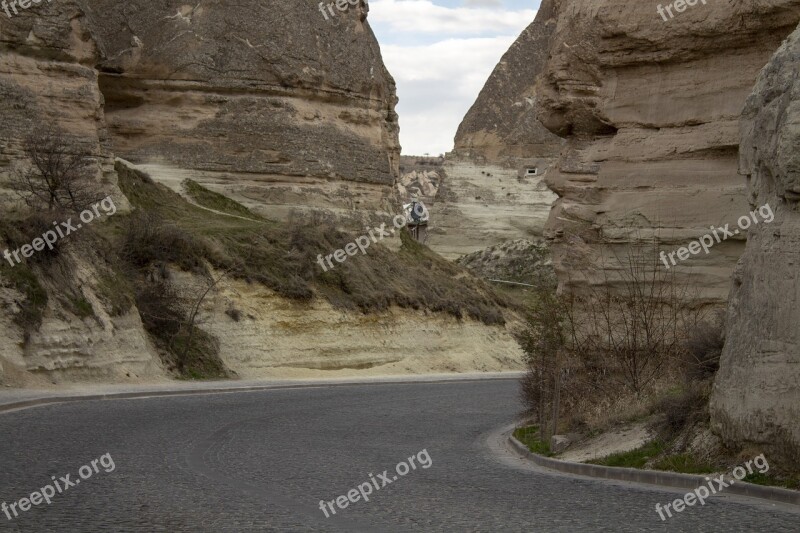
[(283, 257)]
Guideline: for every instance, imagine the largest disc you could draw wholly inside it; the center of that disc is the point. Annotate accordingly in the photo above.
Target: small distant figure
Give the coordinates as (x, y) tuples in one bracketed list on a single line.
[(417, 218)]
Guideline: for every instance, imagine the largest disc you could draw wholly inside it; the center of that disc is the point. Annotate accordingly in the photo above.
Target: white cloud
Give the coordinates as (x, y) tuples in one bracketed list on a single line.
[(441, 57), (423, 16), (437, 84)]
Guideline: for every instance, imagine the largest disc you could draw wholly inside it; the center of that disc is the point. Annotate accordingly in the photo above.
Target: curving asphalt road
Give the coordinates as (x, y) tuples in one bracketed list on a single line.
[(262, 461)]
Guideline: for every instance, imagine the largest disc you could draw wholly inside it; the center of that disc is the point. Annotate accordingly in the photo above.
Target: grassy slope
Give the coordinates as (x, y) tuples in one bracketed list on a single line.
[(284, 258)]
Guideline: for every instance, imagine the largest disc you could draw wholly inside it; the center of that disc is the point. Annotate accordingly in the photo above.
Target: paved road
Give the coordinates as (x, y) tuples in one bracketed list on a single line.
[(262, 461)]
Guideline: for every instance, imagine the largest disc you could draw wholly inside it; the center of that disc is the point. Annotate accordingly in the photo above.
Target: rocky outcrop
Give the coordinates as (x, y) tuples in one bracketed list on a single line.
[(492, 190), (273, 337), (269, 101), (650, 111), (501, 124), (756, 399), (47, 76), (482, 205)]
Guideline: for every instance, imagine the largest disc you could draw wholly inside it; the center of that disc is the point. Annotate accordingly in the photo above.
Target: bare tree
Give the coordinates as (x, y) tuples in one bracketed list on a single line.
[(543, 340), (631, 327), (190, 324), (59, 175), (618, 335), (170, 313)]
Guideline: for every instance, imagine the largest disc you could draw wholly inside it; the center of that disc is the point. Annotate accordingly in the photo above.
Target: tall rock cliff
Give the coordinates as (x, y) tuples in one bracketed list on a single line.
[(756, 396), (265, 99), (501, 124), (268, 100), (650, 111), (492, 190)]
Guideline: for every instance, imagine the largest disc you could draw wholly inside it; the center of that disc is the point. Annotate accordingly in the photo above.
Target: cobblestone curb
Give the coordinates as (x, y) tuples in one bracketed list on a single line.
[(656, 477)]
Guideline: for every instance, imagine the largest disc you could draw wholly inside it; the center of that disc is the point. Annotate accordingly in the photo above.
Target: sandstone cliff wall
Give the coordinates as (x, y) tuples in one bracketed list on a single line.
[(47, 76), (756, 399), (485, 197), (650, 111), (479, 205), (266, 100)]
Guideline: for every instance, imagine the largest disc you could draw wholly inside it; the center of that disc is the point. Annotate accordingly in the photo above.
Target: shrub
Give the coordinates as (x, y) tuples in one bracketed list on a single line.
[(149, 239), (543, 341), (59, 174), (189, 350), (704, 349), (678, 411), (81, 306), (22, 278), (18, 233)]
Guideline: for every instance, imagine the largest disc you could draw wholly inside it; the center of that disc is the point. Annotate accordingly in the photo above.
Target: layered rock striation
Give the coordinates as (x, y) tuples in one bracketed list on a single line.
[(650, 109), (267, 101), (492, 190), (756, 399), (478, 206)]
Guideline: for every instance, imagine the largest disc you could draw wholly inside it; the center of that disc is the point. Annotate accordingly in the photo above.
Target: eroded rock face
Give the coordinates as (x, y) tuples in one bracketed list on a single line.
[(650, 111), (501, 124), (267, 99), (482, 205), (756, 396), (47, 76)]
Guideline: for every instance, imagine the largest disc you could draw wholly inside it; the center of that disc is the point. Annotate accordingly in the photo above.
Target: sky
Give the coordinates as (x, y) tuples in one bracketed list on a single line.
[(440, 53)]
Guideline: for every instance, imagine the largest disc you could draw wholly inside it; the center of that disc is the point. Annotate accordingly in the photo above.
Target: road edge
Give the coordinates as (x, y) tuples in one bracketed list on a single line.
[(40, 401), (655, 477)]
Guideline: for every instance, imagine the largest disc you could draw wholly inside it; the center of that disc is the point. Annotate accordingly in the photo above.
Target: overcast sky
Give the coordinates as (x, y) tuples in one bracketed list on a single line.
[(441, 52)]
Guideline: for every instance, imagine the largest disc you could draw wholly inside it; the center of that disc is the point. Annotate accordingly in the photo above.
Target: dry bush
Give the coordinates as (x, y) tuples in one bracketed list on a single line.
[(678, 410), (18, 233), (283, 257), (620, 340), (149, 239), (704, 349), (633, 327), (167, 317), (543, 341)]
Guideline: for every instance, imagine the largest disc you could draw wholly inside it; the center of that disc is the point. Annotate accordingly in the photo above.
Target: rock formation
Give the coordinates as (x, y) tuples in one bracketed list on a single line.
[(501, 124), (47, 76), (650, 112), (482, 205), (756, 398), (492, 189), (267, 100)]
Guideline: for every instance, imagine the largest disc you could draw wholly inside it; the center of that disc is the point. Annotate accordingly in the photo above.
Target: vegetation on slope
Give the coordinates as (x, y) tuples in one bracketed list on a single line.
[(283, 257)]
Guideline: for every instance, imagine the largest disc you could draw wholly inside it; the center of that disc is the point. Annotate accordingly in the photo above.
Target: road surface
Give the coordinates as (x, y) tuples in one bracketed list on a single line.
[(262, 461)]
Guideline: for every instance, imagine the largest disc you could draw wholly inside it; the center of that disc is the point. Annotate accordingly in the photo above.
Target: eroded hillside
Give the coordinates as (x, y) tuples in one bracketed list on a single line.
[(271, 104)]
